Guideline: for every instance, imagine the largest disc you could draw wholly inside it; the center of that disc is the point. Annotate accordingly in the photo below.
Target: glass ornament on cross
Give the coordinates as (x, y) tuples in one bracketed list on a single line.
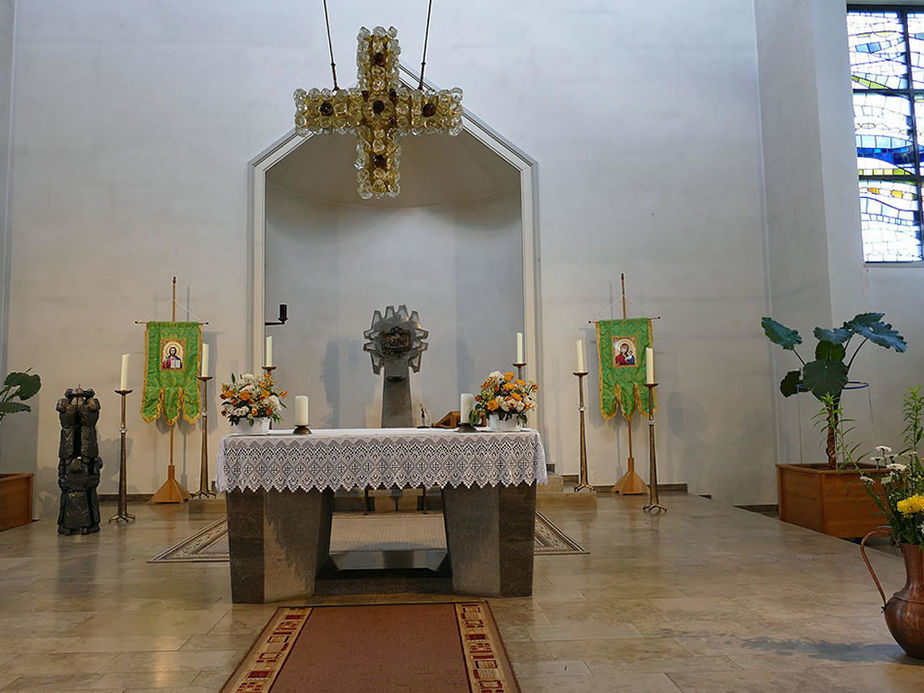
[(378, 111)]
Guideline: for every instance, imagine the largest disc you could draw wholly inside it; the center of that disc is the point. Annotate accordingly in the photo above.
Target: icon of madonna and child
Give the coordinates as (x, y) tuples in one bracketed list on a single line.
[(624, 352)]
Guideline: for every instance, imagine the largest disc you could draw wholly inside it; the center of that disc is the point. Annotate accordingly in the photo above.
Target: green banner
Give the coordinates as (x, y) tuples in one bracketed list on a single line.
[(171, 369), (621, 345)]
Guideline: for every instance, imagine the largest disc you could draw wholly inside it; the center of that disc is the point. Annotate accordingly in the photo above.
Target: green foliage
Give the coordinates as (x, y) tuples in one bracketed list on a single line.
[(830, 351), (780, 334), (825, 378), (912, 407), (838, 335), (828, 375), (19, 386), (880, 333), (790, 384)]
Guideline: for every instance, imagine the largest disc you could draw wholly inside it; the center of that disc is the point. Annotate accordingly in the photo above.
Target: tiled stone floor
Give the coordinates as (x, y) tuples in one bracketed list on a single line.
[(705, 598)]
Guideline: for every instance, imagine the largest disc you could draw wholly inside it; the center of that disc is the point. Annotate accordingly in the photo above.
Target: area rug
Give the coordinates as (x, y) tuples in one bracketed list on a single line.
[(355, 532), (448, 647)]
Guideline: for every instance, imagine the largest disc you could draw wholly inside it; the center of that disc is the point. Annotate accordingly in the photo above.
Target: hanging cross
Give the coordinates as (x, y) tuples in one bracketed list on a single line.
[(378, 112)]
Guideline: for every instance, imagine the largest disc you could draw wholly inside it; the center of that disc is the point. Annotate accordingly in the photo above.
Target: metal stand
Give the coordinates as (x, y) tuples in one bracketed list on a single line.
[(583, 486), (520, 368), (302, 431), (654, 505), (123, 513), (204, 490)]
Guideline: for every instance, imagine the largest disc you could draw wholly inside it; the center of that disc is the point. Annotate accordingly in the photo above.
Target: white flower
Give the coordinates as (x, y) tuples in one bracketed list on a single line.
[(242, 411), (868, 480), (883, 449), (496, 374), (247, 376), (896, 467), (877, 460)]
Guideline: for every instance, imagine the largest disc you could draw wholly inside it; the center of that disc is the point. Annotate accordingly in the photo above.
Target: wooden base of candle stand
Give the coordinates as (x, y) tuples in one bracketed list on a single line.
[(172, 490), (630, 484)]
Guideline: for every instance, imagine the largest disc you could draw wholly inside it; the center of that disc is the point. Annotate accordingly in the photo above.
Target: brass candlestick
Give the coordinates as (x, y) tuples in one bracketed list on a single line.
[(520, 368), (268, 370), (204, 490), (301, 430), (583, 486), (123, 513), (654, 505)]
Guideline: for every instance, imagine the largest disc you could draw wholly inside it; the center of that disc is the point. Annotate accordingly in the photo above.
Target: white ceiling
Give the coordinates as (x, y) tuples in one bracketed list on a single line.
[(435, 170)]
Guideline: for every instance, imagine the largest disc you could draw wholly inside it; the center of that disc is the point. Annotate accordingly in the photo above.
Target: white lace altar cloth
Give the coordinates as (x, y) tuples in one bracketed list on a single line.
[(379, 457)]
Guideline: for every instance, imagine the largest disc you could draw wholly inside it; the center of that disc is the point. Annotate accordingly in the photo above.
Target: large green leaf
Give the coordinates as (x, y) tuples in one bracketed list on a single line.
[(789, 385), (829, 351), (838, 335), (864, 319), (880, 333), (825, 377), (28, 383), (780, 334), (13, 407)]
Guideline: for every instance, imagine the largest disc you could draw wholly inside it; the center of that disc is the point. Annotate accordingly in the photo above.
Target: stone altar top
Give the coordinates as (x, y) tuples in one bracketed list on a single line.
[(350, 458)]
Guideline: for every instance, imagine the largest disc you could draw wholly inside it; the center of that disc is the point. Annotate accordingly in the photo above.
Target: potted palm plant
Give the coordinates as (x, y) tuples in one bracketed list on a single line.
[(828, 497), (16, 488)]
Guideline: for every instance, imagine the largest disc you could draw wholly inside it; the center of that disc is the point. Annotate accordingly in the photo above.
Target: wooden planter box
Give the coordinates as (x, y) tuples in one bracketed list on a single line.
[(827, 500), (15, 500)]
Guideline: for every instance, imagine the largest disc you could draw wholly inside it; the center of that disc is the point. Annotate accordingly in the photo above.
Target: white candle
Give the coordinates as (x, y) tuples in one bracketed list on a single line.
[(520, 348), (649, 365), (204, 371), (268, 360), (301, 410), (579, 346), (123, 380), (466, 404)]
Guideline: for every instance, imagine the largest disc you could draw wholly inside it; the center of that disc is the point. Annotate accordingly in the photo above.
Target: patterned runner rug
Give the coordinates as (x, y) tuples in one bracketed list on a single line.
[(452, 648), (357, 532)]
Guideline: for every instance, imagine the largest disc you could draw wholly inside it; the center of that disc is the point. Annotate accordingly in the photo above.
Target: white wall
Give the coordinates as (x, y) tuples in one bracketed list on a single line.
[(133, 124), (7, 13), (816, 273), (458, 265)]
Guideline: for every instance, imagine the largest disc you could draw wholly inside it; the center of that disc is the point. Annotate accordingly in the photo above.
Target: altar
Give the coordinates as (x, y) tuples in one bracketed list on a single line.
[(280, 489)]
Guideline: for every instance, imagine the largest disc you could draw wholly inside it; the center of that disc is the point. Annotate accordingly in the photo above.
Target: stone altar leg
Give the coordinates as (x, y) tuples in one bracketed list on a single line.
[(278, 541), (490, 535)]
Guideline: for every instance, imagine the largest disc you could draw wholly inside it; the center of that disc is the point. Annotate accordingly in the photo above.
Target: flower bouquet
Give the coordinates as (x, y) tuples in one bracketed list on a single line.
[(902, 500), (902, 503), (249, 397), (505, 396)]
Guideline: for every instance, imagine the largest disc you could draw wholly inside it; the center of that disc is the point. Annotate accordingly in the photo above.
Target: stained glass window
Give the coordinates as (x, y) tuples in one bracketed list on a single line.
[(887, 71)]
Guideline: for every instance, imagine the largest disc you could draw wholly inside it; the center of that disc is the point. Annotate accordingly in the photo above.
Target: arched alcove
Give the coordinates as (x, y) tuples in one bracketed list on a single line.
[(459, 245)]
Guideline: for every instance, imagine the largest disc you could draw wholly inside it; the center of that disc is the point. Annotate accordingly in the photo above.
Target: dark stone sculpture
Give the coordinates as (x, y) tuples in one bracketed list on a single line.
[(396, 342), (78, 462)]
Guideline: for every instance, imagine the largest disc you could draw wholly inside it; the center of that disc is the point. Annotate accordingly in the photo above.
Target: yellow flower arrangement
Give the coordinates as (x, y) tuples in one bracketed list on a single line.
[(911, 505), (506, 396)]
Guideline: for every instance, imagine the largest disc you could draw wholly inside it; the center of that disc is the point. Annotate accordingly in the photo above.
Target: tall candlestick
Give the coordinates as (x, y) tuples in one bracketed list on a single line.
[(520, 347), (123, 379), (466, 404), (205, 361), (579, 346), (649, 366), (268, 360), (301, 410)]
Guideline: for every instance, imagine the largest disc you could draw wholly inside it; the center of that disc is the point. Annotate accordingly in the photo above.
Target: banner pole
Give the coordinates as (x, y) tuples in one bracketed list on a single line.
[(172, 490), (630, 484)]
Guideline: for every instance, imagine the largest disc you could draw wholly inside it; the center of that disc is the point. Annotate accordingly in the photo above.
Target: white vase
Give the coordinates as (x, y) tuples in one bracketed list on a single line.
[(260, 426), (496, 423)]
